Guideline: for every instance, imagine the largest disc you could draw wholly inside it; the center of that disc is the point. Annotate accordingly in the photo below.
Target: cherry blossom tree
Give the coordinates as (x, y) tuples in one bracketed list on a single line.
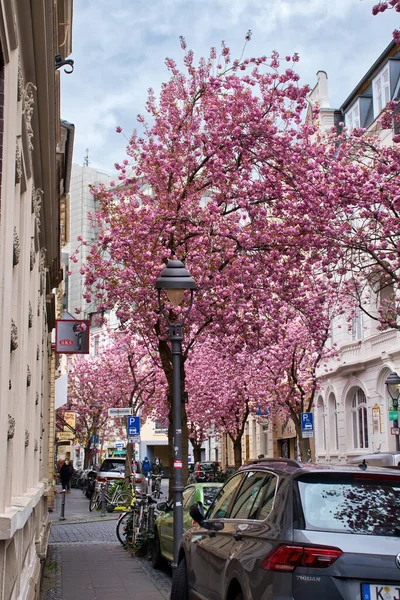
[(390, 5), (221, 178), (121, 375)]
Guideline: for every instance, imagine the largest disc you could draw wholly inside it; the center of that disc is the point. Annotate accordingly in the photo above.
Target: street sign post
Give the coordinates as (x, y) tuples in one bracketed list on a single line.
[(395, 430), (120, 412), (307, 425), (135, 439), (393, 415), (133, 424)]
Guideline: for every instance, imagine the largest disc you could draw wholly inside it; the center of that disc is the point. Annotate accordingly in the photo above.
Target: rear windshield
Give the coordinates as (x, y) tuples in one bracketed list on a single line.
[(112, 465), (209, 494), (208, 466), (363, 503)]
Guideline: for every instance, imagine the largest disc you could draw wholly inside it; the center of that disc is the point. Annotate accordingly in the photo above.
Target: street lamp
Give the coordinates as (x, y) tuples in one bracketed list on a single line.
[(393, 385), (175, 279), (95, 412)]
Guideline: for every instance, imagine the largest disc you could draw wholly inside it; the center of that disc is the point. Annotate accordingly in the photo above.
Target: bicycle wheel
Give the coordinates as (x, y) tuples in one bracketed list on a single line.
[(124, 529), (142, 520), (94, 501), (124, 501), (157, 491)]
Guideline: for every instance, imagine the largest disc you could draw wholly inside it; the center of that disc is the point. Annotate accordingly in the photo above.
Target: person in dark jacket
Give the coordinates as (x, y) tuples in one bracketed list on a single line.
[(66, 472)]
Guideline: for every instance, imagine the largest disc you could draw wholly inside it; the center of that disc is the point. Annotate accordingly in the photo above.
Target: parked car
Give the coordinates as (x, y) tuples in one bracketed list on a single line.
[(114, 468), (163, 546), (282, 530), (378, 459), (204, 471)]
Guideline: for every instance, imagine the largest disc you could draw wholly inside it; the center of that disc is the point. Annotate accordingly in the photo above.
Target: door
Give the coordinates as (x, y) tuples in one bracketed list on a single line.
[(202, 539), (239, 535)]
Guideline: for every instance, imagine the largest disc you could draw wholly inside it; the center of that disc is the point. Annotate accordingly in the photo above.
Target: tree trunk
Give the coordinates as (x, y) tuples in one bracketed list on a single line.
[(86, 457), (304, 443), (128, 460), (197, 453), (237, 452), (304, 447)]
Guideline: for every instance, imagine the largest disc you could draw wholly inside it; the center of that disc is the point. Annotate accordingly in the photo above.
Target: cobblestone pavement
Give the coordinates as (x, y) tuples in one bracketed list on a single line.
[(95, 532), (86, 562)]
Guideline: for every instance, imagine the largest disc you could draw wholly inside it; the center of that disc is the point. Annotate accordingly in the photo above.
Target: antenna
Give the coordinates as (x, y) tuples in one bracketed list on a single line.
[(86, 160)]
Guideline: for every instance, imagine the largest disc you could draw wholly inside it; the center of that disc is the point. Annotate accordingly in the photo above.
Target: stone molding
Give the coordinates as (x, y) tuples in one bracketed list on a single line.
[(14, 336), (16, 248), (28, 102), (37, 198), (11, 427)]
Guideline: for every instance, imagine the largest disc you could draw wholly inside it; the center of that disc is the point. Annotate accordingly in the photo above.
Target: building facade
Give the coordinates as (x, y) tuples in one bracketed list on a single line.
[(34, 170), (352, 407)]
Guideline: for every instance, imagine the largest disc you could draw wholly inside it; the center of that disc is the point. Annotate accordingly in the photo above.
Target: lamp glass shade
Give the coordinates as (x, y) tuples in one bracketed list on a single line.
[(393, 385), (393, 390), (175, 296)]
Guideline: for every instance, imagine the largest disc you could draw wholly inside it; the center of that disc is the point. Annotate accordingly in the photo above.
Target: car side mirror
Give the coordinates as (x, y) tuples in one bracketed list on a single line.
[(163, 507), (196, 511)]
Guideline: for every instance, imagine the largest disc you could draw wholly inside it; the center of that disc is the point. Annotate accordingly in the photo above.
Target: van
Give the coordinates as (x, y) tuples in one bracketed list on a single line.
[(378, 459)]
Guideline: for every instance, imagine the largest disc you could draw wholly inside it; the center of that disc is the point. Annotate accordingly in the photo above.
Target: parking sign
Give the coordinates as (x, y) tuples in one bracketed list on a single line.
[(133, 426), (307, 425)]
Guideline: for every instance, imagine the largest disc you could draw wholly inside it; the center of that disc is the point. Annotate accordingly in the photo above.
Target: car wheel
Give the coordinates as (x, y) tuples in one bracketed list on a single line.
[(179, 590), (156, 558)]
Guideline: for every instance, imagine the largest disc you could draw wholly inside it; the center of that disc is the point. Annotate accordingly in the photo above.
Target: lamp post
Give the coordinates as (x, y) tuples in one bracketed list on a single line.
[(95, 412), (393, 385), (175, 279)]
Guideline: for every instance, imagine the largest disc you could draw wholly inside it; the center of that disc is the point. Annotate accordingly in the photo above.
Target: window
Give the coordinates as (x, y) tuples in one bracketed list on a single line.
[(249, 496), (269, 497), (352, 117), (321, 424), (350, 503), (387, 305), (381, 90), (359, 419), (96, 345), (333, 422), (357, 329), (159, 427), (219, 507), (187, 497)]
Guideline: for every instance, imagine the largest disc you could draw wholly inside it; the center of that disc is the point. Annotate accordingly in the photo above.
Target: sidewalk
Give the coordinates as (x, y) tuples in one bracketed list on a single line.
[(86, 562)]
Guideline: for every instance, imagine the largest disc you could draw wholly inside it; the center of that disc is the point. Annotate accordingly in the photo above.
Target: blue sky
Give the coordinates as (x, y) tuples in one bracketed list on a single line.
[(119, 48)]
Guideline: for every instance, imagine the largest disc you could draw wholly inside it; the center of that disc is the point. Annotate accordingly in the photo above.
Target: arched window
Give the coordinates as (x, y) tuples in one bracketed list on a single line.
[(333, 422), (321, 425), (359, 418)]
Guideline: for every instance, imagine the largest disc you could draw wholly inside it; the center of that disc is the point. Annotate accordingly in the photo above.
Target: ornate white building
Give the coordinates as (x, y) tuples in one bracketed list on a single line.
[(352, 409), (35, 162)]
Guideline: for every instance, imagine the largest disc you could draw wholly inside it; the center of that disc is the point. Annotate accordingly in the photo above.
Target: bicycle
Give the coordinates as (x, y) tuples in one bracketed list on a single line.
[(114, 498), (136, 521), (156, 486)]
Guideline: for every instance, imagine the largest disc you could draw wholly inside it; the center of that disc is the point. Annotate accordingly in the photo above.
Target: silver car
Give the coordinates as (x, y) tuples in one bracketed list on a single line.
[(280, 530)]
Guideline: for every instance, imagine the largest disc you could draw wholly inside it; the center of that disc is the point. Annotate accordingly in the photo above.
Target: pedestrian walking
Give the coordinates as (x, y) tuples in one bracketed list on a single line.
[(66, 472)]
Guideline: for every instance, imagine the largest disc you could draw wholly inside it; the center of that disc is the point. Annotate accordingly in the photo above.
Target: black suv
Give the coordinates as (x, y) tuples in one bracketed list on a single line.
[(279, 529), (208, 470)]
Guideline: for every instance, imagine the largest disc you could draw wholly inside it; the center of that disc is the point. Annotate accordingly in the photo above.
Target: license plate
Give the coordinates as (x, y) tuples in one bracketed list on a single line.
[(380, 591)]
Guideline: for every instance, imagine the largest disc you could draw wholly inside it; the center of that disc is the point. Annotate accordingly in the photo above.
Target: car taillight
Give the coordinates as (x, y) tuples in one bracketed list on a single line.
[(287, 558), (102, 479), (138, 479)]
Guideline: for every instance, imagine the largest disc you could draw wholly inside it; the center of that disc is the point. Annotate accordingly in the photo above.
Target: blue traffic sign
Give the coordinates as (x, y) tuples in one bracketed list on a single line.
[(307, 421), (133, 426)]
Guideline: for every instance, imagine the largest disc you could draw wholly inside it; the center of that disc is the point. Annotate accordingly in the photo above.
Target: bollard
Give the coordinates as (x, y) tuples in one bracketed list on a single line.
[(103, 501), (62, 514)]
